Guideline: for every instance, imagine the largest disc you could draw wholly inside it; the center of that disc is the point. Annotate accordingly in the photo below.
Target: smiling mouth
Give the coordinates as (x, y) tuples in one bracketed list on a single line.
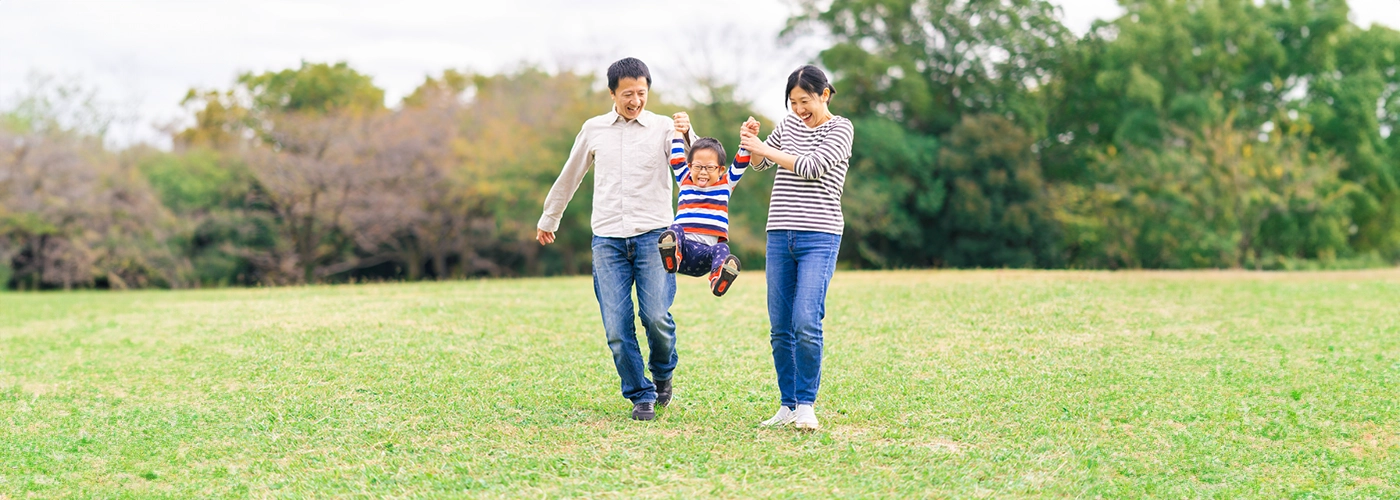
[(806, 118)]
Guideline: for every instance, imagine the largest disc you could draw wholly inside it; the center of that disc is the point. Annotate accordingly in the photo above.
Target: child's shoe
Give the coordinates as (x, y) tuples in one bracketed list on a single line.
[(670, 247), (728, 272)]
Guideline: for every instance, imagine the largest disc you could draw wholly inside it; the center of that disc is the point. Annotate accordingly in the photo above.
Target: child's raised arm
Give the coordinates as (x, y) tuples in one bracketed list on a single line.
[(740, 165), (678, 165), (742, 157)]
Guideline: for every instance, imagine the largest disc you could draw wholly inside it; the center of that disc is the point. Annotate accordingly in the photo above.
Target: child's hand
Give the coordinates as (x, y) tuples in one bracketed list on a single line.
[(749, 128), (682, 122)]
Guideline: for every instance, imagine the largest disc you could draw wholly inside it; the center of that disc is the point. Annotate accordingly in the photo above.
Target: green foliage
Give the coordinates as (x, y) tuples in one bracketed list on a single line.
[(1352, 106), (1184, 133), (928, 63), (996, 213), (1219, 198), (1184, 63), (227, 118), (895, 196), (313, 88), (198, 180), (214, 194)]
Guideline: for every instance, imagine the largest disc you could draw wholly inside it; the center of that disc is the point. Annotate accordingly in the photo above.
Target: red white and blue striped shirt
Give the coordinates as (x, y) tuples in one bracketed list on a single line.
[(705, 210)]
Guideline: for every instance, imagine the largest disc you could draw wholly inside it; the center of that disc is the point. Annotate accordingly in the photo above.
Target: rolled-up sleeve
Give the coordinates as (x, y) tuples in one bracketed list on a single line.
[(834, 150), (775, 141)]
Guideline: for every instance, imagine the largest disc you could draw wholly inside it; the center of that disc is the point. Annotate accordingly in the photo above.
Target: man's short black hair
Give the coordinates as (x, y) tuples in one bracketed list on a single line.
[(709, 143), (627, 68)]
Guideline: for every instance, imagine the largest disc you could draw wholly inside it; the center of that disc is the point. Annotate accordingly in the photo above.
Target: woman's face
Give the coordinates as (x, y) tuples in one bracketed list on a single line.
[(811, 108)]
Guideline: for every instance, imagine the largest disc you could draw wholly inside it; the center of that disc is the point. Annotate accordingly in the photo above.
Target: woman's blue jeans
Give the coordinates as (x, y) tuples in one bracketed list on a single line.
[(799, 266)]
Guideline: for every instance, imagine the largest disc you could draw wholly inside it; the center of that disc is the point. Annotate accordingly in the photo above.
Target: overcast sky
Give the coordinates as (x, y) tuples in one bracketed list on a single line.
[(144, 55)]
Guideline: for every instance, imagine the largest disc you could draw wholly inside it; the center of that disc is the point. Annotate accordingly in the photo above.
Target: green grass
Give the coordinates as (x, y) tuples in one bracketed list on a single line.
[(965, 384)]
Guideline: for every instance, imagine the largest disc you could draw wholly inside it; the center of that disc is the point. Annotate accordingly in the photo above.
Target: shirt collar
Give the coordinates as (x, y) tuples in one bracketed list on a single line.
[(612, 113)]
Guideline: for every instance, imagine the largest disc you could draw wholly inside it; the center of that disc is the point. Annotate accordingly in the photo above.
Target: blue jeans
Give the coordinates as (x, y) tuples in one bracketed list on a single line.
[(799, 268), (618, 263)]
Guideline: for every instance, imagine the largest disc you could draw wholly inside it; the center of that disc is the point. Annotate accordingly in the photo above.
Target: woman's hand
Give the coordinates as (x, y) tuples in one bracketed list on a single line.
[(755, 146)]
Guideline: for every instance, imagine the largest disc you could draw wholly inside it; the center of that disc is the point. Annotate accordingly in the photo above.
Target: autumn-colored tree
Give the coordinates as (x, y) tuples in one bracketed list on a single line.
[(74, 215)]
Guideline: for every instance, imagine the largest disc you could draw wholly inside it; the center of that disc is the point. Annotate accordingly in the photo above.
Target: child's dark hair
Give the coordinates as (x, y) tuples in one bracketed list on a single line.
[(627, 68), (808, 78), (706, 143)]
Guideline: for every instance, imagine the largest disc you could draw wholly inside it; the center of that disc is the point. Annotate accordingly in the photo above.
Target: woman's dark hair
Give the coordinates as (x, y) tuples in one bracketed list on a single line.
[(627, 68), (706, 143), (810, 79)]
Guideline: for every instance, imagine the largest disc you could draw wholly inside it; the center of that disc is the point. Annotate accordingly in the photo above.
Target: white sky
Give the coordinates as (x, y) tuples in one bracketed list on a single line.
[(144, 55)]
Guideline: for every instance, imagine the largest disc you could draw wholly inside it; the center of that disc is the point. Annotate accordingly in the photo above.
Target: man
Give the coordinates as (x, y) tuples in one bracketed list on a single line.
[(628, 148)]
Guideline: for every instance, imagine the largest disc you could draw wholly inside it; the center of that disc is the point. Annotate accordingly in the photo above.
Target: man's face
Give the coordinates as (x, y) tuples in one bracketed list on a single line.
[(704, 167), (630, 98)]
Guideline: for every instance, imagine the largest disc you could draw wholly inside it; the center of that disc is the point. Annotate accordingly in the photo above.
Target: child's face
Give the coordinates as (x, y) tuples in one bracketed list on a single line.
[(704, 167)]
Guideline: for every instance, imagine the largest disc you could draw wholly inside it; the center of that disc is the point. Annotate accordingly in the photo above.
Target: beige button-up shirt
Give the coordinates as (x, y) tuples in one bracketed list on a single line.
[(632, 183)]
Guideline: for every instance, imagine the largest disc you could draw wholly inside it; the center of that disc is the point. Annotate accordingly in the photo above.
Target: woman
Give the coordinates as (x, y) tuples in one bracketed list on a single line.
[(813, 149)]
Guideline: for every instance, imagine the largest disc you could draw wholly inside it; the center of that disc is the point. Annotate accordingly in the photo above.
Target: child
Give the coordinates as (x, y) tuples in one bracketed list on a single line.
[(694, 245)]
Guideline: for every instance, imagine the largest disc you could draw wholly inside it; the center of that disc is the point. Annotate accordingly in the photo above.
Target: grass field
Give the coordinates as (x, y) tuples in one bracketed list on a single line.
[(964, 384)]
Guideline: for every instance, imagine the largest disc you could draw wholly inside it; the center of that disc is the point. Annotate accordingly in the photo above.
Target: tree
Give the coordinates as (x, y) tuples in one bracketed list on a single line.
[(893, 204), (305, 135), (72, 215), (928, 63), (215, 198), (412, 210), (516, 131), (225, 117), (315, 88), (1219, 197), (996, 213), (1187, 63), (221, 121), (1355, 105)]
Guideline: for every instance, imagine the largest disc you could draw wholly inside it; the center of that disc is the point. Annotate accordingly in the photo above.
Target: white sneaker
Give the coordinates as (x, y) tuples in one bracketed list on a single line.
[(805, 418), (783, 417)]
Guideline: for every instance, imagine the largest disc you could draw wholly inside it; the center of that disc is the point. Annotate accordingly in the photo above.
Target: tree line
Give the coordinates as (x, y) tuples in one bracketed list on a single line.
[(1183, 134)]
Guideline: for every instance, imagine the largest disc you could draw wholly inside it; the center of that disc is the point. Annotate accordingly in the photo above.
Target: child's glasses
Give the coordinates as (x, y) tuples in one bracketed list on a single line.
[(706, 168)]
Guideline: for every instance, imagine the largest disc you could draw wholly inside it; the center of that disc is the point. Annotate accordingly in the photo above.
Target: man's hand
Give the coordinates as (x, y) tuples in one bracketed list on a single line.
[(544, 237), (682, 121)]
